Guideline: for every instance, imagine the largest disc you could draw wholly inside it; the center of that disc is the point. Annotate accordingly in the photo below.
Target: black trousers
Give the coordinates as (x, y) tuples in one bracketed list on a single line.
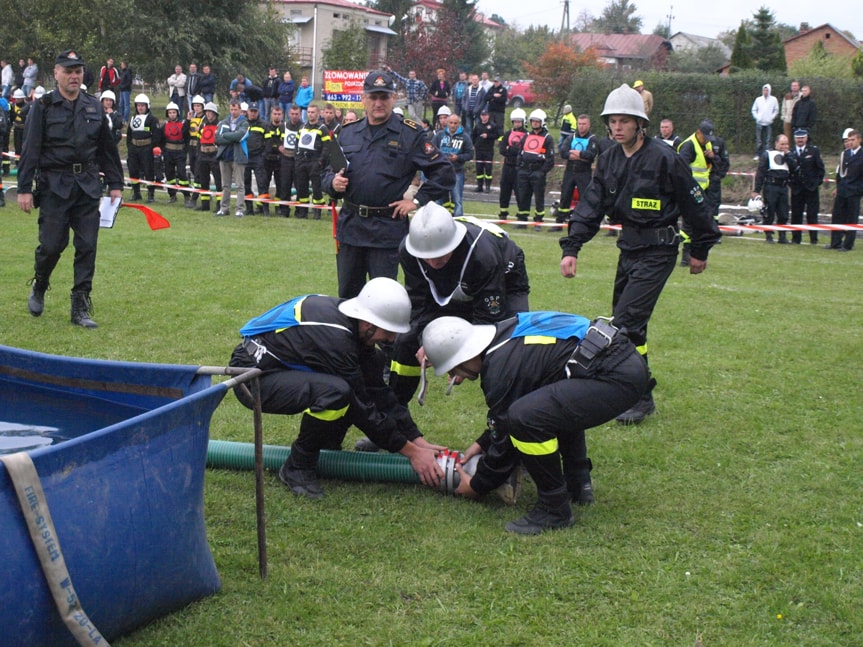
[(804, 200), (141, 166), (846, 211), (531, 184), (256, 165), (175, 169), (287, 170), (80, 213), (208, 165), (571, 180), (273, 174), (508, 185), (548, 424), (354, 263), (776, 201), (308, 170)]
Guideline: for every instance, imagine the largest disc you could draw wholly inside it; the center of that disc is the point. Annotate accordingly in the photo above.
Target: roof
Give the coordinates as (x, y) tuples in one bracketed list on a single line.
[(684, 41), (808, 32), (480, 17), (640, 46), (342, 4)]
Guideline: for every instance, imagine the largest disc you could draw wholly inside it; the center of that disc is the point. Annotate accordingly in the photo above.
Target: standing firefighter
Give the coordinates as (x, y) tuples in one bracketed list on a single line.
[(141, 137), (644, 186), (535, 160), (67, 143), (175, 134)]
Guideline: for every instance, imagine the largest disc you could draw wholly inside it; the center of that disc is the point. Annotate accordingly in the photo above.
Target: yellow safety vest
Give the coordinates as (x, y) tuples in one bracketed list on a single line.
[(699, 166)]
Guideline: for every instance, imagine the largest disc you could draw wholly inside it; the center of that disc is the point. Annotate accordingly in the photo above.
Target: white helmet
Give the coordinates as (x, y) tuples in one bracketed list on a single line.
[(624, 101), (198, 99), (383, 303), (755, 205), (143, 98), (39, 92), (433, 232), (172, 106), (444, 110), (449, 341), (399, 111), (538, 115), (244, 106), (211, 106), (518, 113), (107, 94), (19, 94)]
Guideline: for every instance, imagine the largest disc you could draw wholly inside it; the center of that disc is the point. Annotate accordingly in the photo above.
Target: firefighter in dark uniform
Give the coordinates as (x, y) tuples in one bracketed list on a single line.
[(697, 151), (384, 153), (771, 181), (308, 166), (207, 163), (485, 134), (196, 116), (273, 138), (142, 135), (288, 151), (546, 378), (579, 150), (460, 267), (256, 142), (18, 116), (644, 186), (319, 359), (67, 143), (509, 145), (807, 175), (535, 160), (175, 137)]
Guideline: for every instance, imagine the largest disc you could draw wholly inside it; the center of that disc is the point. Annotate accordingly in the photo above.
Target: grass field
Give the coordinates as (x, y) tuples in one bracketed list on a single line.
[(734, 513)]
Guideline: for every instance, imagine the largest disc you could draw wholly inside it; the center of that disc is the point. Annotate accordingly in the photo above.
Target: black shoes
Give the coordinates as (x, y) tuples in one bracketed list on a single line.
[(301, 482), (551, 512), (638, 412)]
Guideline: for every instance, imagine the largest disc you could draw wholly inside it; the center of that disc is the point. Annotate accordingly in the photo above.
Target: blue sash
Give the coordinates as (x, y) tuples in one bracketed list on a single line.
[(550, 324)]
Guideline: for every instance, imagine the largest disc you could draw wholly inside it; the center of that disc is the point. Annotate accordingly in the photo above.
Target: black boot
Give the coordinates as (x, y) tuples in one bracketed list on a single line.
[(151, 194), (204, 204), (552, 510), (265, 209), (578, 482), (639, 411), (2, 197), (250, 207), (478, 188), (502, 215), (783, 238), (36, 301), (81, 306), (136, 193)]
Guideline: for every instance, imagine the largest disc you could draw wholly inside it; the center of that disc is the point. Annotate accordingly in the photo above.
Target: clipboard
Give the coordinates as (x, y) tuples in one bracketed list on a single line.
[(108, 211), (337, 158)]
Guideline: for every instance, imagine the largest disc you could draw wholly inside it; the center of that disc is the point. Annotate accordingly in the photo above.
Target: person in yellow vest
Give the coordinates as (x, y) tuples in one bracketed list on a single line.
[(697, 151), (194, 119)]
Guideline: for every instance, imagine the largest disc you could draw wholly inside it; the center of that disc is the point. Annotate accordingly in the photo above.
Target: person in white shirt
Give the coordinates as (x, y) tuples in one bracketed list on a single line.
[(764, 111)]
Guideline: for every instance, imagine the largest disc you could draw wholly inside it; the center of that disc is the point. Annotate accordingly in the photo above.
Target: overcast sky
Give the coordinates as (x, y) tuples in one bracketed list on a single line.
[(702, 18)]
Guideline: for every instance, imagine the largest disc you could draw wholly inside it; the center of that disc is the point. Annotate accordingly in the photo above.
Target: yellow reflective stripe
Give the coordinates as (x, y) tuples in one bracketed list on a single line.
[(328, 414), (684, 236), (645, 203), (539, 339), (405, 369), (535, 449), (642, 350)]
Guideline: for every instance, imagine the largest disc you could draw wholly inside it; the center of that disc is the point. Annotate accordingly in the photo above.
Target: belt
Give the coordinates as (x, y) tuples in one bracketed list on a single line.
[(291, 154), (364, 212), (141, 142), (73, 168), (193, 142), (171, 146), (598, 338), (776, 181), (660, 236), (207, 148)]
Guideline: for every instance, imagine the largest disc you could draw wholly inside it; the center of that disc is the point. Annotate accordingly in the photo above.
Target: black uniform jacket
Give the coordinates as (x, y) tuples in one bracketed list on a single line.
[(334, 348), (649, 190), (508, 373), (807, 170), (60, 135), (494, 272), (383, 161)]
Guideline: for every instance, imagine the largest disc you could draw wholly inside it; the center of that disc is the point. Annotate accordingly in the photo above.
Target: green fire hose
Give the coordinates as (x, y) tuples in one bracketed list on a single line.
[(379, 467)]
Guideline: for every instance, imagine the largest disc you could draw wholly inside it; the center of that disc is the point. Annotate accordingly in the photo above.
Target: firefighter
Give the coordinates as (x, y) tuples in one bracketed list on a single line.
[(142, 135), (196, 116), (207, 162), (535, 160), (175, 137), (509, 145)]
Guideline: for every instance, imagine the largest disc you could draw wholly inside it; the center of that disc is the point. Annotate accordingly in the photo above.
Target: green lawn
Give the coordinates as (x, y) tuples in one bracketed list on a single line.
[(734, 513)]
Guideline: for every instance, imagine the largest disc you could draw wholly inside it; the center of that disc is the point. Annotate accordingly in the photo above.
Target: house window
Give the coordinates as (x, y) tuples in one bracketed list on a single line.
[(826, 36)]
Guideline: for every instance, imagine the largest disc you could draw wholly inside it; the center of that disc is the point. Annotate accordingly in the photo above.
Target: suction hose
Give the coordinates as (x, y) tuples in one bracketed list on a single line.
[(377, 467)]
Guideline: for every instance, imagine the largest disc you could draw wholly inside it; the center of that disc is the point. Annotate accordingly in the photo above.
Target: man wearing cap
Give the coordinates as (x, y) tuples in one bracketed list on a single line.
[(256, 144), (68, 157), (806, 178), (849, 190), (646, 96), (646, 187), (318, 358), (697, 151), (496, 98), (383, 153)]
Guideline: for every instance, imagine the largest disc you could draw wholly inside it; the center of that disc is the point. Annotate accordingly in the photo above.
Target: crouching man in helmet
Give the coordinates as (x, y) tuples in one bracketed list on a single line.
[(318, 358), (546, 378), (644, 186)]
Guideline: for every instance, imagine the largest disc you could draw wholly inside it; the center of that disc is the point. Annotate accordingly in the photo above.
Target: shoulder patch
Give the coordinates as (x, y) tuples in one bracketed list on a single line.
[(411, 123)]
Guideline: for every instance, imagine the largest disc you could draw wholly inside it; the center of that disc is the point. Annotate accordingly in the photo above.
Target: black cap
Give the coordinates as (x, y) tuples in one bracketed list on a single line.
[(69, 58), (706, 127), (801, 132), (379, 81)]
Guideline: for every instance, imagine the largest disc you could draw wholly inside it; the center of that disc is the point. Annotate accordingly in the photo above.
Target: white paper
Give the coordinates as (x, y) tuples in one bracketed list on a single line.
[(108, 209)]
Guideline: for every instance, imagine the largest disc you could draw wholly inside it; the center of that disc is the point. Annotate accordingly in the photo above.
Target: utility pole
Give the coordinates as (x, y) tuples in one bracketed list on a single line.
[(670, 18), (564, 21)]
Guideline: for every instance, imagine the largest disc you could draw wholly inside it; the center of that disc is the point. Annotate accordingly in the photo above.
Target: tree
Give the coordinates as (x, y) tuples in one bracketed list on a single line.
[(662, 29), (555, 72), (512, 49), (766, 49), (822, 63), (402, 20), (705, 60), (346, 49), (498, 19), (741, 56), (857, 64), (618, 18)]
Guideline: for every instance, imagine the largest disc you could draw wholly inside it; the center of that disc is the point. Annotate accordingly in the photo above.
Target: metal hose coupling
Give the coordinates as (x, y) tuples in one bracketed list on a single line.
[(448, 459)]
